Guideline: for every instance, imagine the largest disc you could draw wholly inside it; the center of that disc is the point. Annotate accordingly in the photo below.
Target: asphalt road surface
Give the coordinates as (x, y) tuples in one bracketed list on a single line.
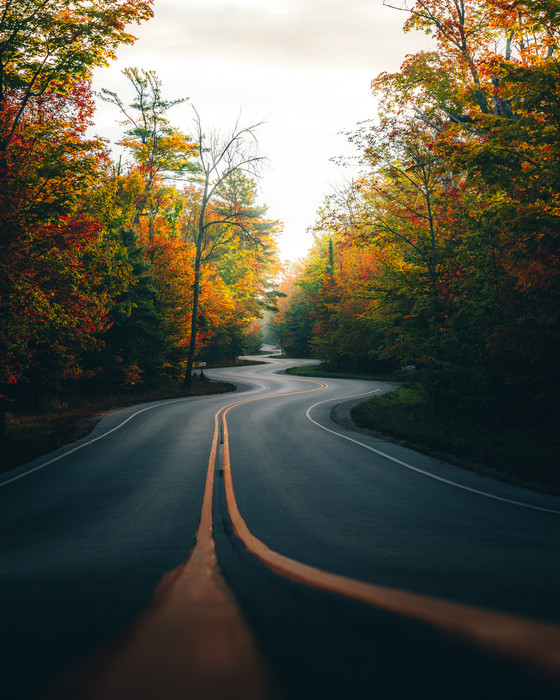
[(89, 532)]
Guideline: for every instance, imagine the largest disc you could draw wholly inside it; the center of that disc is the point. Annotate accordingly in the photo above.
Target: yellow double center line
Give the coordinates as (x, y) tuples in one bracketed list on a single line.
[(533, 643), (193, 640)]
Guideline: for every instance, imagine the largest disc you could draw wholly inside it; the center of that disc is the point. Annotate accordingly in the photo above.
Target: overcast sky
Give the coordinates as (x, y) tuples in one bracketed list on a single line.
[(303, 66)]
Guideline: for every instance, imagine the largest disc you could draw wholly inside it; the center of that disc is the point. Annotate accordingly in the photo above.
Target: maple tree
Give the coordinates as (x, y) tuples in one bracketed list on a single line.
[(47, 45), (57, 275)]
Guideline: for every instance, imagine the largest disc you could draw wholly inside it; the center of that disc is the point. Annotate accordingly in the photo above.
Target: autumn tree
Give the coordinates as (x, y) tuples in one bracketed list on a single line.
[(445, 250), (145, 210), (214, 222), (218, 215), (47, 45), (334, 293), (56, 278), (286, 286), (411, 208), (160, 152), (490, 93), (460, 200)]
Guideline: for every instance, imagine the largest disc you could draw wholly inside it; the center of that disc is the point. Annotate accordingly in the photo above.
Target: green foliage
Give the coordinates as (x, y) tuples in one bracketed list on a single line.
[(100, 275), (47, 46), (445, 252), (529, 458), (134, 343)]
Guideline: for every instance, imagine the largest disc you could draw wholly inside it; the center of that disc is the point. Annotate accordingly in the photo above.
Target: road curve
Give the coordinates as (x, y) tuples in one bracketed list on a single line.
[(87, 534)]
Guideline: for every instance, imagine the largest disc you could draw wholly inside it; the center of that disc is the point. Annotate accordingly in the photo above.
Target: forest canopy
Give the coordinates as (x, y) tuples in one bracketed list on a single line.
[(444, 254), (104, 279)]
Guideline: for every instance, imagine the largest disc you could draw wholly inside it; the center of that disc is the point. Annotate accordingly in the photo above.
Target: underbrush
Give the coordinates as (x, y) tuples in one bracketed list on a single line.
[(58, 422), (527, 457), (321, 370)]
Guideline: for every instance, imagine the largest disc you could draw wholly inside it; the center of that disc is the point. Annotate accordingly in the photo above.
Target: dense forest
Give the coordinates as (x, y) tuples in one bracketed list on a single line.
[(116, 274), (442, 259)]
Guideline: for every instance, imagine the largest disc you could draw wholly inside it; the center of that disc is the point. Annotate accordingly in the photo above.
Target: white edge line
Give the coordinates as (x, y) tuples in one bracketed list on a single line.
[(90, 442), (83, 444), (417, 469)]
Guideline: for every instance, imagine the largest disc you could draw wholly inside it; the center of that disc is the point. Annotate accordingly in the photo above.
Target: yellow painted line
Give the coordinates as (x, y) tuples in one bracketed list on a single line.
[(530, 642), (191, 642)]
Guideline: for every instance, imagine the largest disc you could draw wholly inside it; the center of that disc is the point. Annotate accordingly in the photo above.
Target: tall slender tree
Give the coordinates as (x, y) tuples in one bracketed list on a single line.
[(218, 215), (160, 151)]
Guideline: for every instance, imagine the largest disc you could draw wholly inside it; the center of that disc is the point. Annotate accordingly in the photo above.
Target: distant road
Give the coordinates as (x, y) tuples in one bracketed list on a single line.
[(350, 524)]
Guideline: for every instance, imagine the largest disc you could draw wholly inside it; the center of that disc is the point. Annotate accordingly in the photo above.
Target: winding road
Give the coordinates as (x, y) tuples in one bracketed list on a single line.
[(247, 546)]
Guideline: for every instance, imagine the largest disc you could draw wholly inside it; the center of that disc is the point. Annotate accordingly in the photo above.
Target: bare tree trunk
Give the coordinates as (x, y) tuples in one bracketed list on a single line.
[(219, 159), (187, 381), (5, 299)]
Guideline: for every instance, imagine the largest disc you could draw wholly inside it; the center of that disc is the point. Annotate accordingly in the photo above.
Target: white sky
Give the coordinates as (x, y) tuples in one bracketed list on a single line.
[(303, 66)]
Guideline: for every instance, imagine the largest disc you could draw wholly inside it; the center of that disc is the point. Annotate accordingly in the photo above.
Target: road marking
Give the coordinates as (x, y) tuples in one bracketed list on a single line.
[(99, 437), (177, 644), (530, 642), (118, 427), (191, 642), (422, 471), (85, 444)]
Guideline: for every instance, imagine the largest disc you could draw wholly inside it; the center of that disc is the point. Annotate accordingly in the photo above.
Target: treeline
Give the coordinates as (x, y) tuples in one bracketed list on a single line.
[(444, 254), (109, 270)]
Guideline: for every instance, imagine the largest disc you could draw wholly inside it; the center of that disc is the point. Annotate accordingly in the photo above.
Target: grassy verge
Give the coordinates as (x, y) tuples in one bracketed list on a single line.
[(527, 458), (234, 363), (30, 436), (524, 457), (322, 371)]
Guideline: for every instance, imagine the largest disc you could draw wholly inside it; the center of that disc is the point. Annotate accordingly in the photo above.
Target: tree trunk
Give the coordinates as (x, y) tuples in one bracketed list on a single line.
[(187, 381), (5, 306), (3, 412)]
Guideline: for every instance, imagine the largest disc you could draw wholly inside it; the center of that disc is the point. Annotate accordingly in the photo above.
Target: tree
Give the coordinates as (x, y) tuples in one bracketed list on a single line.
[(160, 151), (48, 45), (489, 98), (134, 341), (494, 107), (58, 276), (218, 215), (53, 260), (214, 218), (411, 208)]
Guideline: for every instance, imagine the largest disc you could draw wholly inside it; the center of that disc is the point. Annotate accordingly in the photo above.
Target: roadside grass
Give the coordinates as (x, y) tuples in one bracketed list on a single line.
[(31, 435), (239, 362), (529, 458), (322, 371)]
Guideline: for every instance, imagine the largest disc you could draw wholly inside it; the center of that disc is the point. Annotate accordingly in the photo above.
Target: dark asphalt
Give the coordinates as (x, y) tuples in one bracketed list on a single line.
[(337, 506), (322, 647), (85, 541)]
